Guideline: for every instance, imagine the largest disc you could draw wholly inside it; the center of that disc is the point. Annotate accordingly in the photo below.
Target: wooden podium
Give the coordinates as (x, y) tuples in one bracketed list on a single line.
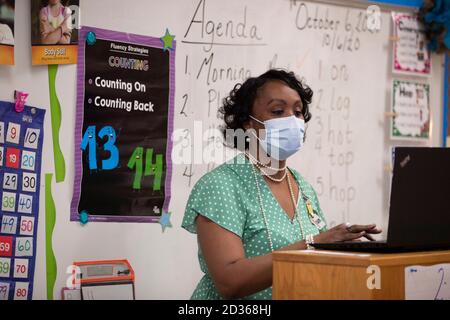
[(320, 274)]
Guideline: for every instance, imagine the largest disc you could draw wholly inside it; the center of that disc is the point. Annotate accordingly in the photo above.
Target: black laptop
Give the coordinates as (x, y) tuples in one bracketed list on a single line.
[(419, 212)]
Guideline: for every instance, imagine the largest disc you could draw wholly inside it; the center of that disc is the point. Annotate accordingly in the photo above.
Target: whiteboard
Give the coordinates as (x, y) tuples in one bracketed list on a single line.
[(166, 264)]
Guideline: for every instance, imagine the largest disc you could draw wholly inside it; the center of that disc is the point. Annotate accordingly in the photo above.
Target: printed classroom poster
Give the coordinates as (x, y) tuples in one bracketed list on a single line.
[(124, 123), (21, 136), (54, 31), (411, 54), (431, 282), (7, 32), (411, 109)]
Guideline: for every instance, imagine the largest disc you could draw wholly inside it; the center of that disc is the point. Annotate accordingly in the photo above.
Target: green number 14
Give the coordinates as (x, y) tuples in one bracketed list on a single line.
[(137, 162)]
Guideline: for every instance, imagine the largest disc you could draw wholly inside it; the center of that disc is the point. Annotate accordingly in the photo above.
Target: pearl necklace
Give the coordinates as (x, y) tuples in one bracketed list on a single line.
[(270, 177), (249, 155), (296, 214), (260, 167)]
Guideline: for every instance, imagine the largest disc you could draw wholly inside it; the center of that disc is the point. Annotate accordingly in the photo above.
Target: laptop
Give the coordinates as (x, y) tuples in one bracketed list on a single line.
[(419, 211)]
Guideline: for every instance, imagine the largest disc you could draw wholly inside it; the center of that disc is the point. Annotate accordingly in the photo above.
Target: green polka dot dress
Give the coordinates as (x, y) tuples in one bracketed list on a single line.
[(228, 196)]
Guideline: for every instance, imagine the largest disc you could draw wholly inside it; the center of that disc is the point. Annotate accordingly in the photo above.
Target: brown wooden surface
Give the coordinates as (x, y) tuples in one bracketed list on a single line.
[(320, 274)]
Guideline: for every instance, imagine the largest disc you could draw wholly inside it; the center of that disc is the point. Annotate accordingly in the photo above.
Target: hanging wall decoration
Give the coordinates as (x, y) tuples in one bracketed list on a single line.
[(124, 124), (54, 31), (21, 136), (411, 55)]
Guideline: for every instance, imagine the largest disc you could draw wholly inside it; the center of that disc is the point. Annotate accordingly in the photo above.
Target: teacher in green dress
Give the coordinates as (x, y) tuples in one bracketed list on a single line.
[(254, 204)]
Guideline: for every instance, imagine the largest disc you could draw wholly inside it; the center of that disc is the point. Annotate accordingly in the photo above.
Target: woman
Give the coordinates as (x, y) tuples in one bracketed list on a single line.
[(253, 204), (55, 23)]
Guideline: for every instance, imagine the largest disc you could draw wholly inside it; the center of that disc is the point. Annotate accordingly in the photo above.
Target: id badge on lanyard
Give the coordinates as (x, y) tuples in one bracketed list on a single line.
[(313, 216)]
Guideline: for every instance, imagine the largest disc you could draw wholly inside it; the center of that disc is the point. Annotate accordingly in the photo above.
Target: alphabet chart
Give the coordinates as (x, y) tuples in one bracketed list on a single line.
[(21, 136), (123, 128)]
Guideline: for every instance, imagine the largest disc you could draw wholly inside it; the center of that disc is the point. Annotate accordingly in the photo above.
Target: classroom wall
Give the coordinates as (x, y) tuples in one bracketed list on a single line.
[(166, 263)]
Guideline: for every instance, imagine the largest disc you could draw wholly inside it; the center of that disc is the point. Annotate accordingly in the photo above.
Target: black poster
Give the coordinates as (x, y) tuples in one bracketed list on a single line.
[(123, 129)]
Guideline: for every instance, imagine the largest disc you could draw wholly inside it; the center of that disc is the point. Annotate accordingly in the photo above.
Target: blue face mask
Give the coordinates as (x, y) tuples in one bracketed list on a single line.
[(284, 136)]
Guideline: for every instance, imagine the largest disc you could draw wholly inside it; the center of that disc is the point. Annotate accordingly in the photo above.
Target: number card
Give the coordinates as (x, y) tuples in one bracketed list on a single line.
[(4, 288), (29, 182), (20, 268), (28, 160), (13, 134), (31, 138), (26, 226), (6, 243), (25, 203), (24, 247), (12, 158), (20, 174), (9, 224), (8, 201), (123, 167), (21, 291), (10, 181), (5, 267)]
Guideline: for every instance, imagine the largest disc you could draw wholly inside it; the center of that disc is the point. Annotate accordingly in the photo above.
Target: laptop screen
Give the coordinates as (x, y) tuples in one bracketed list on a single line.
[(419, 213)]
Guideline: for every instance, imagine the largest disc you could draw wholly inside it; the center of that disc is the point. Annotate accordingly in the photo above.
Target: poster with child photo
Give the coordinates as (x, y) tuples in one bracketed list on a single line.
[(54, 31)]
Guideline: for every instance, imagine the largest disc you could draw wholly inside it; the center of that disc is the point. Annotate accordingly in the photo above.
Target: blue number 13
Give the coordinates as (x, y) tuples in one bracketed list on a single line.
[(90, 140)]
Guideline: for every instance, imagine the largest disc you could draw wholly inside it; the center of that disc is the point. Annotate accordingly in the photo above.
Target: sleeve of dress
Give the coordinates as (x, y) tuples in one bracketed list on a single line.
[(216, 196)]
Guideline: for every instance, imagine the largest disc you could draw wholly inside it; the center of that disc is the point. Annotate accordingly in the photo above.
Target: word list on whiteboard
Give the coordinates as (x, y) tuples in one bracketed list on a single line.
[(427, 282), (21, 136)]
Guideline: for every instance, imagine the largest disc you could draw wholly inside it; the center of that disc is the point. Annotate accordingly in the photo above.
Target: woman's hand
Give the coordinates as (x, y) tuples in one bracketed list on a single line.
[(346, 232)]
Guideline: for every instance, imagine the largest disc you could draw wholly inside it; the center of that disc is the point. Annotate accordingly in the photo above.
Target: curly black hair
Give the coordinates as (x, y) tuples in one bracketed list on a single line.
[(238, 105)]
